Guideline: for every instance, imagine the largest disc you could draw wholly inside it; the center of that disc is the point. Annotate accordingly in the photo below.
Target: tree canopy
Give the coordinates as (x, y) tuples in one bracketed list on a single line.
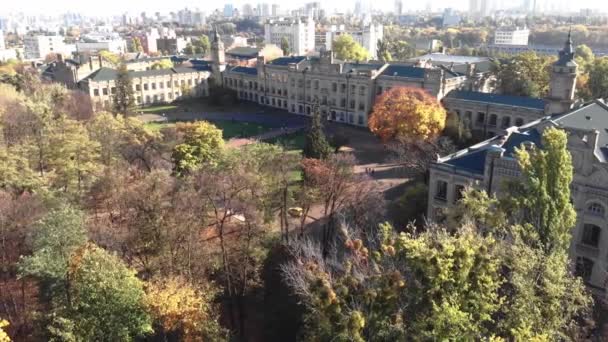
[(346, 48), (409, 113)]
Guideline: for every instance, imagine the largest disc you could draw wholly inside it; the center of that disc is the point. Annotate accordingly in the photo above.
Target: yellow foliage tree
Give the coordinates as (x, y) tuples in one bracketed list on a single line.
[(407, 113), (3, 335), (177, 307)]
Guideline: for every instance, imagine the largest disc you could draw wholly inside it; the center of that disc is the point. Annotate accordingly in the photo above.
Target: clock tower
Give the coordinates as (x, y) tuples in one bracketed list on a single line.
[(562, 86)]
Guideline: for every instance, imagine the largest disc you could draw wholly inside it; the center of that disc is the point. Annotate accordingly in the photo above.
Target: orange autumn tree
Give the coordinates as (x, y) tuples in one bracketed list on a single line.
[(407, 113)]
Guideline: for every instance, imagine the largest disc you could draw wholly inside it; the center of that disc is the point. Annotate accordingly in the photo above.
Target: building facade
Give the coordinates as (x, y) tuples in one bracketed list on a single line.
[(39, 46), (367, 37), (299, 33), (149, 86), (511, 36), (345, 92)]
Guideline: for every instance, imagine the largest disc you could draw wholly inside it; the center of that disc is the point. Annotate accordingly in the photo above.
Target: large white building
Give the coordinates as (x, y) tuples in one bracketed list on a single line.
[(368, 37), (300, 34), (511, 36), (39, 46)]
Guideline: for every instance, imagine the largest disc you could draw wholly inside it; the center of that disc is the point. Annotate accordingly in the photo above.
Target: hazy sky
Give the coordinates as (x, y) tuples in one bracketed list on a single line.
[(105, 7)]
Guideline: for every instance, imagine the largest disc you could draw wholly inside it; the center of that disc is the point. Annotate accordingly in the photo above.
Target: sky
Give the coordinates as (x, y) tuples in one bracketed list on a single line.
[(109, 7)]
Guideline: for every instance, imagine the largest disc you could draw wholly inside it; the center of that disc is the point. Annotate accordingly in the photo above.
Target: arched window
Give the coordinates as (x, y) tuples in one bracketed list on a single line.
[(596, 209), (519, 122), (506, 121)]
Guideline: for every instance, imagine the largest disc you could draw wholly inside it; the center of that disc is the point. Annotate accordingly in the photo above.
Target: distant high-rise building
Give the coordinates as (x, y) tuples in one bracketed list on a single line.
[(275, 10), (368, 37), (398, 7), (248, 10), (265, 10), (300, 34), (228, 10)]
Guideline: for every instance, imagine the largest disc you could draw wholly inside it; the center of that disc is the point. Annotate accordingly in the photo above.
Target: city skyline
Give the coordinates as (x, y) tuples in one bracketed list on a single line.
[(116, 7)]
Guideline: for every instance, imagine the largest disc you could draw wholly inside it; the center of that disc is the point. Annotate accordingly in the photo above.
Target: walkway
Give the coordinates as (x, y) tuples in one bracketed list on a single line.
[(238, 142)]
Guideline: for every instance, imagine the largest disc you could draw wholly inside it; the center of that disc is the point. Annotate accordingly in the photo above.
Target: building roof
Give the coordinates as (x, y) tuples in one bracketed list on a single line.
[(108, 74), (507, 100), (403, 71), (351, 67), (284, 61), (244, 52), (592, 116), (245, 70), (443, 58)]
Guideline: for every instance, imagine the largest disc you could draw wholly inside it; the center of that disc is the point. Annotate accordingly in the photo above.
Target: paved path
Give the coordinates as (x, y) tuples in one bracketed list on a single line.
[(277, 120)]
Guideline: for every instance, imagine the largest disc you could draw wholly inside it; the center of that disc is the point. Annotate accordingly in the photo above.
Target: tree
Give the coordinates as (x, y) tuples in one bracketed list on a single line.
[(124, 99), (316, 145), (110, 57), (543, 198), (401, 50), (526, 74), (347, 49), (3, 335), (189, 49), (285, 46), (202, 45), (409, 113), (164, 63), (182, 311), (383, 52), (584, 57), (598, 78), (136, 45), (202, 143), (55, 238), (107, 297)]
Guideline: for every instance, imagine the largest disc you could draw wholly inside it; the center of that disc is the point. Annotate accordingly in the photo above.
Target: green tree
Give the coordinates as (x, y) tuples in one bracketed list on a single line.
[(316, 145), (202, 143), (285, 46), (124, 99), (584, 57), (55, 238), (543, 198), (526, 74), (383, 52), (108, 299), (110, 57), (346, 48), (401, 50), (598, 78), (189, 49), (164, 63), (202, 45), (136, 45)]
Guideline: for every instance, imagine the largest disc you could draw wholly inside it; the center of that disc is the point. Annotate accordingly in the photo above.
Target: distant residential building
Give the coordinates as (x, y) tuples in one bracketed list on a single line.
[(300, 34), (248, 11), (450, 18), (2, 44), (511, 36), (39, 46), (117, 46), (368, 37), (171, 45)]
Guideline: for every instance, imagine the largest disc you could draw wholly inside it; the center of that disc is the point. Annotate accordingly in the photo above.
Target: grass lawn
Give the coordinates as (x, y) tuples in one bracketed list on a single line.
[(158, 109), (292, 142), (230, 129)]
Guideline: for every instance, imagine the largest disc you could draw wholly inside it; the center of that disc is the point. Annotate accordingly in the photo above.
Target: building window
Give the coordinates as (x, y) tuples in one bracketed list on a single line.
[(316, 84), (596, 209), (360, 119), (145, 86), (147, 98), (153, 85), (138, 87), (362, 90), (506, 122), (584, 268), (161, 85), (343, 88), (458, 192), (519, 122), (113, 90), (361, 106), (591, 235), (493, 119), (352, 104), (104, 91), (168, 84), (481, 118), (378, 90), (190, 82), (334, 87), (95, 92), (441, 190)]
